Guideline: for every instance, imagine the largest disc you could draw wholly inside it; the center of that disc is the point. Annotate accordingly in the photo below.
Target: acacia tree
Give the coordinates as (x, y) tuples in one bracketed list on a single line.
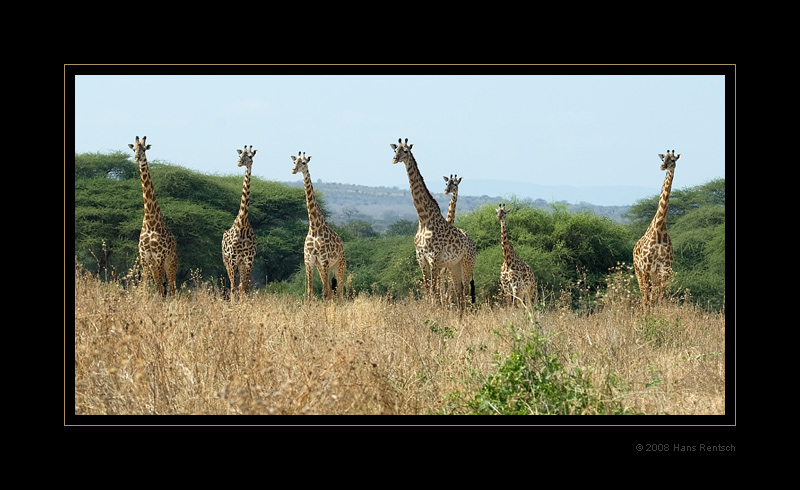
[(198, 209)]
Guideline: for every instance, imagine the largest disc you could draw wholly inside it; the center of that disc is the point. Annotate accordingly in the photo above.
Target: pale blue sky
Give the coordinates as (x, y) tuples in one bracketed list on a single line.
[(554, 130)]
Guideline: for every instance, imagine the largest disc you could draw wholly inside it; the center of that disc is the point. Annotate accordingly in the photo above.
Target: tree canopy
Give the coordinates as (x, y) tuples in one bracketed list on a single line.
[(561, 247)]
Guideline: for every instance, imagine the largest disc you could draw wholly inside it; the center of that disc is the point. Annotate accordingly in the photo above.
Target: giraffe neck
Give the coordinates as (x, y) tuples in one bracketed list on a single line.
[(152, 213), (451, 209), (315, 216), (426, 206), (660, 219), (241, 218), (508, 249)]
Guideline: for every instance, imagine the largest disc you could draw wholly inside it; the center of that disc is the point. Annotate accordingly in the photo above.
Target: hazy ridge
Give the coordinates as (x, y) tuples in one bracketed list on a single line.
[(382, 206)]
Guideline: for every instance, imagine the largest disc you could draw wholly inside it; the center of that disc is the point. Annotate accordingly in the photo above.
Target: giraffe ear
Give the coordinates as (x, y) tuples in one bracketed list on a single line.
[(254, 153), (131, 145), (394, 147), (147, 147), (679, 155), (294, 158), (308, 159), (445, 178), (459, 179), (661, 156), (238, 151)]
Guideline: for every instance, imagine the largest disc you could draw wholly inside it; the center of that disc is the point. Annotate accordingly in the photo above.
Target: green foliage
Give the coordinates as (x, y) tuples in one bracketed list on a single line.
[(696, 226), (561, 247), (383, 265), (558, 245), (360, 229), (197, 208), (117, 165), (532, 380), (403, 227)]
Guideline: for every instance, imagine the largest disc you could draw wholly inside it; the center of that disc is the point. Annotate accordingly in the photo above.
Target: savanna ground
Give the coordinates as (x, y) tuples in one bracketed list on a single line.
[(138, 353)]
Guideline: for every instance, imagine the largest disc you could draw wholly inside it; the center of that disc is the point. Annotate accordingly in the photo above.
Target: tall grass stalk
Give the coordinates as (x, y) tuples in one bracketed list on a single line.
[(199, 353)]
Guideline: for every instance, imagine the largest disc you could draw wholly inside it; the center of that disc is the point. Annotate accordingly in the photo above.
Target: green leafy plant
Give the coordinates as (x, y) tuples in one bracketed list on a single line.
[(532, 380)]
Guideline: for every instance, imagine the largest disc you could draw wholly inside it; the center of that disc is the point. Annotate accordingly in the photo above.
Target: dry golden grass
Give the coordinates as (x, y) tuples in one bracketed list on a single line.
[(137, 353)]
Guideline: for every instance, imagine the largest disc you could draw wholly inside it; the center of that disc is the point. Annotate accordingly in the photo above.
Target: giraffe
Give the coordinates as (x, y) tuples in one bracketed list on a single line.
[(439, 244), (652, 255), (451, 187), (239, 243), (157, 245), (323, 247), (516, 277)]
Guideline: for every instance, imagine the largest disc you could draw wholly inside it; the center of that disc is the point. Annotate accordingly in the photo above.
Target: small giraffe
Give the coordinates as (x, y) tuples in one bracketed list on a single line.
[(157, 245), (516, 277), (439, 244), (451, 187), (323, 247), (239, 242), (652, 255)]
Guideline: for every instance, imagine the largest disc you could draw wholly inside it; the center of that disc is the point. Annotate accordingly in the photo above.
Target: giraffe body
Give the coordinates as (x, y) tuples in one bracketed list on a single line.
[(517, 280), (653, 254), (323, 247), (451, 188), (439, 244), (157, 245), (239, 243)]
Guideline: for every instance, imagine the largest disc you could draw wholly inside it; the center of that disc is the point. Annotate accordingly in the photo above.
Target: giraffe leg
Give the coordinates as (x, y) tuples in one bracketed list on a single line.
[(244, 280), (434, 280), (341, 268), (324, 275), (158, 277), (172, 272), (309, 281), (457, 275), (232, 278), (423, 266), (644, 286)]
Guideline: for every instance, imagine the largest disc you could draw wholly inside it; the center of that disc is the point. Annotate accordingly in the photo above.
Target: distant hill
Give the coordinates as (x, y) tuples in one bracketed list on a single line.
[(383, 206)]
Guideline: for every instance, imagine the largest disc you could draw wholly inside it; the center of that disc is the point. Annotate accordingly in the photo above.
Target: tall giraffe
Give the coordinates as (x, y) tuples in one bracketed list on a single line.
[(323, 247), (652, 255), (439, 244), (239, 242), (157, 245), (516, 277)]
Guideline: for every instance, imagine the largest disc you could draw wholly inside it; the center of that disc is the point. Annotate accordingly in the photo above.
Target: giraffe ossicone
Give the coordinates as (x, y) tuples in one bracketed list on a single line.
[(239, 243), (653, 254), (157, 245)]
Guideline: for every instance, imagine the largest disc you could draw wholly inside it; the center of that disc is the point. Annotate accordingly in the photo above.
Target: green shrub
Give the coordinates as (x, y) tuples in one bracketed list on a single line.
[(532, 380)]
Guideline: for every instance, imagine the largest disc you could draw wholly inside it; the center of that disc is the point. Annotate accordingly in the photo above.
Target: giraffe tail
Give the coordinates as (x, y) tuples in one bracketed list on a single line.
[(472, 290), (334, 284)]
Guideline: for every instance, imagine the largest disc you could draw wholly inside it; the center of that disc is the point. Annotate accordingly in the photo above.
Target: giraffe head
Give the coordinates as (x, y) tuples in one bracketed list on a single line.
[(402, 151), (139, 148), (501, 213), (451, 184), (300, 162), (668, 160), (246, 156)]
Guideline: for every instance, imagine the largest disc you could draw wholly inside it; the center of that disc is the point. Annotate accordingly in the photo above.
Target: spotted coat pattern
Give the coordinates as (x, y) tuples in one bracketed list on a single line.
[(653, 255), (157, 245)]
